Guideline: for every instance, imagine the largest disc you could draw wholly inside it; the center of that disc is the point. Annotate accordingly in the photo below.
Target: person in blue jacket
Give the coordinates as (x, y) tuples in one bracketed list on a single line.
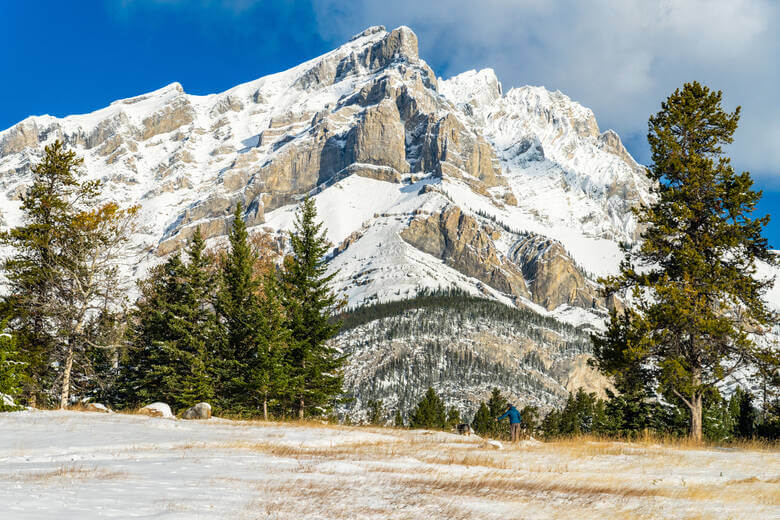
[(514, 421)]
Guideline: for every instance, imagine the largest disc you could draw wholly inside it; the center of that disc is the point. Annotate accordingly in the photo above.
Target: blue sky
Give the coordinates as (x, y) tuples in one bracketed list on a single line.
[(618, 57)]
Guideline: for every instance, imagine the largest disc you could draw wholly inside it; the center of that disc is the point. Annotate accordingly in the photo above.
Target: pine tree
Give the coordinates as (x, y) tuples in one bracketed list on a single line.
[(429, 412), (270, 374), (398, 419), (716, 419), (12, 371), (238, 310), (551, 424), (173, 327), (497, 406), (453, 417), (376, 412), (696, 298), (310, 304), (249, 363), (483, 422), (569, 422), (64, 267), (530, 415), (744, 421)]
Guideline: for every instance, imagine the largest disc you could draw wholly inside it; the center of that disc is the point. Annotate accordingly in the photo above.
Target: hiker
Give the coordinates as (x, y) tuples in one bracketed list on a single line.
[(514, 421)]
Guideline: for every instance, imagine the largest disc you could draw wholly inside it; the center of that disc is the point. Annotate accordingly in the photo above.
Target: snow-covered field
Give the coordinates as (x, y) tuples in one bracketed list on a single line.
[(87, 465)]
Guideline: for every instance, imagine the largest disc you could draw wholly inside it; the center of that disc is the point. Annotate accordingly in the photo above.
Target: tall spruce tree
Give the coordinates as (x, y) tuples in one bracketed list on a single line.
[(253, 369), (695, 295), (744, 414), (173, 328), (64, 268), (270, 374), (237, 308), (310, 304)]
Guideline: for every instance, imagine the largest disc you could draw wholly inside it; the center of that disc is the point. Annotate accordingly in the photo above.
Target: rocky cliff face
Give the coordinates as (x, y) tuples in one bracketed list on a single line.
[(370, 109), (469, 247), (422, 183)]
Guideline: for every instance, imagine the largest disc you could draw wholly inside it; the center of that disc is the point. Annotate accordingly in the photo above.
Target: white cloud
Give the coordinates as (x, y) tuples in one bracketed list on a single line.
[(619, 57)]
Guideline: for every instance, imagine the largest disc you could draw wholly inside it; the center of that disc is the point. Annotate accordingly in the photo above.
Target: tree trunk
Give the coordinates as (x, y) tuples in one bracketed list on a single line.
[(696, 406), (300, 410), (696, 416), (265, 409), (65, 393)]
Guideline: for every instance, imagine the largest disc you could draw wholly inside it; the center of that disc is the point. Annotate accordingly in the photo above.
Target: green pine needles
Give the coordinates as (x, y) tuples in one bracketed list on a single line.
[(236, 329), (429, 412), (12, 370), (310, 303), (695, 302), (62, 274), (172, 332)]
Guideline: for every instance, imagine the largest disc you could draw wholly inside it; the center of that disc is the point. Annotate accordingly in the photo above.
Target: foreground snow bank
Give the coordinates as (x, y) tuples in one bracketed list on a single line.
[(81, 465)]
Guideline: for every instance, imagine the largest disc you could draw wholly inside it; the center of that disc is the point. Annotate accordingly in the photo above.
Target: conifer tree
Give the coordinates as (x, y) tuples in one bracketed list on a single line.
[(376, 412), (551, 423), (398, 419), (483, 422), (173, 328), (64, 267), (429, 412), (717, 424), (237, 307), (530, 415), (269, 372), (453, 417), (695, 295), (743, 414), (310, 304), (497, 404), (250, 364), (12, 371)]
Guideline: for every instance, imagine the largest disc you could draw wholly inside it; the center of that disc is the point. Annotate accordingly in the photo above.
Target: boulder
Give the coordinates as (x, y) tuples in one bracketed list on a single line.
[(97, 407), (157, 410), (197, 412)]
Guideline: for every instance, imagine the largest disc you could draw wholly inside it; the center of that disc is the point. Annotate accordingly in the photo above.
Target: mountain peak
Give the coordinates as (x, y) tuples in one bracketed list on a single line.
[(476, 87), (368, 32), (366, 131)]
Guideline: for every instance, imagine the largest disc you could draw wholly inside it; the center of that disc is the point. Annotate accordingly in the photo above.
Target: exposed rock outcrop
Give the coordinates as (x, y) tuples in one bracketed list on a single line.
[(23, 135), (553, 277), (174, 115), (451, 149), (464, 244), (379, 138)]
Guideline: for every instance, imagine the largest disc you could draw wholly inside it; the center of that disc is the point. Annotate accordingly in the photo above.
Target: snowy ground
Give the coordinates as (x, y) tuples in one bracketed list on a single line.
[(81, 465)]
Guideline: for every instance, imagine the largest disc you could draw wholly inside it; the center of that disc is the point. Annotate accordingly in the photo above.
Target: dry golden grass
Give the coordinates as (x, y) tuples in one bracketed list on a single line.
[(66, 473), (399, 474), (648, 440), (514, 474)]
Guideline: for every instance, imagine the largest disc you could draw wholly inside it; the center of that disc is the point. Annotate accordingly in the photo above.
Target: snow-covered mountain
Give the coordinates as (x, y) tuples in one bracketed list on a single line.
[(423, 183)]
